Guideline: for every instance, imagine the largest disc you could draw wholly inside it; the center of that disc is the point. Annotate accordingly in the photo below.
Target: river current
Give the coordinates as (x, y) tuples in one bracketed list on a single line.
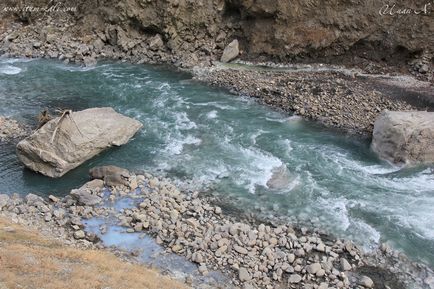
[(207, 139)]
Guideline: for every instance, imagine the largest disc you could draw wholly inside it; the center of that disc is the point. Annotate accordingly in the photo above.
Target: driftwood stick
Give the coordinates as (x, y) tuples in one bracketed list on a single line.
[(66, 113), (72, 119), (59, 122)]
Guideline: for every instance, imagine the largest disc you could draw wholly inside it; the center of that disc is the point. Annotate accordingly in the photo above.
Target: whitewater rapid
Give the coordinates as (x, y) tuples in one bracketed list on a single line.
[(208, 139)]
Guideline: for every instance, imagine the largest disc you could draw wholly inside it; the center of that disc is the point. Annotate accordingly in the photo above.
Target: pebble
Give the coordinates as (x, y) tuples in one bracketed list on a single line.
[(79, 234), (203, 270), (53, 198), (366, 282), (345, 265), (244, 275), (320, 273), (313, 268), (240, 250), (294, 279)]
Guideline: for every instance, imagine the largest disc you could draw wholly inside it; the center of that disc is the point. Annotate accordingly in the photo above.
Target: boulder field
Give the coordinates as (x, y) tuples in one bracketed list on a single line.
[(254, 253)]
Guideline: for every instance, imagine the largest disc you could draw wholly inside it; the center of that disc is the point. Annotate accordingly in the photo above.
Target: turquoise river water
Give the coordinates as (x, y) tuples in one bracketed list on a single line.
[(206, 138)]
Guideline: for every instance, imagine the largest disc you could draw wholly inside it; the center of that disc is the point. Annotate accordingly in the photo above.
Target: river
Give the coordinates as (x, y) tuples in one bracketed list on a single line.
[(209, 139)]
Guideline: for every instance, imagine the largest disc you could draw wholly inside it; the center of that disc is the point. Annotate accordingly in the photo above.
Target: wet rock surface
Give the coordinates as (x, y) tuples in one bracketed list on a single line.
[(253, 253)]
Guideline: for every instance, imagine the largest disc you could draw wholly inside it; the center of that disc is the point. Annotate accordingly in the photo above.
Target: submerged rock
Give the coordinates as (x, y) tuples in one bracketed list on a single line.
[(231, 51), (404, 137), (66, 142), (280, 178)]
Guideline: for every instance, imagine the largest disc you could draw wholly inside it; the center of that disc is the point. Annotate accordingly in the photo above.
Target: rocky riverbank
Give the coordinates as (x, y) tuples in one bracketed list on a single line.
[(253, 253), (337, 98), (333, 98), (11, 129)]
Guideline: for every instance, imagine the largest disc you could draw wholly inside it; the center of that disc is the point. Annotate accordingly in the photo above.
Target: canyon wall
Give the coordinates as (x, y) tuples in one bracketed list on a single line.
[(268, 29)]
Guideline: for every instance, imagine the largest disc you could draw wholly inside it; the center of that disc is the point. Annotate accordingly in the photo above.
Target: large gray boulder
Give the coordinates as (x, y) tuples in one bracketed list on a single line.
[(78, 137), (231, 51), (404, 137)]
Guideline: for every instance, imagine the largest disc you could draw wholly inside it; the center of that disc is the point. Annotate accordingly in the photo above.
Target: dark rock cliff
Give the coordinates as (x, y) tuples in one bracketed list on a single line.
[(270, 29)]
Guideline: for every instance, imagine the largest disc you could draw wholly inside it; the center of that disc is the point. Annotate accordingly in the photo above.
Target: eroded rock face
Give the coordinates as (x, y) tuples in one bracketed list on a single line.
[(177, 31), (78, 137), (280, 27), (404, 137)]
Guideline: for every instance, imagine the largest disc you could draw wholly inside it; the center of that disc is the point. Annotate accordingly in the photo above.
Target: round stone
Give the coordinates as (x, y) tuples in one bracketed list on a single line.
[(294, 279)]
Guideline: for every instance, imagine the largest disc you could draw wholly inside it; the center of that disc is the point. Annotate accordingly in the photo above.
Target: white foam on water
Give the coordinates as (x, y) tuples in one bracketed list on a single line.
[(293, 118), (421, 182), (369, 236), (255, 166), (212, 114), (280, 120), (286, 145), (212, 103), (81, 68), (210, 175), (175, 147), (256, 134), (183, 122), (337, 209), (406, 201), (415, 213), (345, 161), (15, 60), (168, 98), (10, 70), (377, 169), (165, 86), (344, 164)]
